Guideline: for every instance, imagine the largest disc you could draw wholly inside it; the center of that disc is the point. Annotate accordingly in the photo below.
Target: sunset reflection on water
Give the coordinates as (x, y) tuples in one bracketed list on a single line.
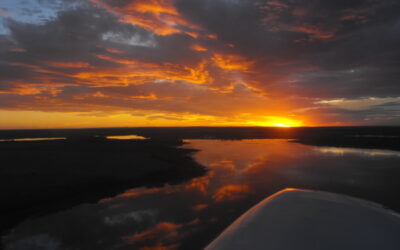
[(189, 215)]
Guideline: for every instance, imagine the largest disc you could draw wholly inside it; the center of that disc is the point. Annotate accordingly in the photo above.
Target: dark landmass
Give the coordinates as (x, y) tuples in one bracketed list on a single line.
[(354, 137), (361, 137), (161, 133), (46, 176), (389, 143)]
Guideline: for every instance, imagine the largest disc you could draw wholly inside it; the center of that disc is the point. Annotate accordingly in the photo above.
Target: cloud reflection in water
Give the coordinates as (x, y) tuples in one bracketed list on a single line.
[(189, 215)]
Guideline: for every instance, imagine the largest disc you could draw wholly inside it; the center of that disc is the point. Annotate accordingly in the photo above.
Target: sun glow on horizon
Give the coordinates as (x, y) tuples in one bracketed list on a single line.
[(281, 122), (282, 125), (48, 120)]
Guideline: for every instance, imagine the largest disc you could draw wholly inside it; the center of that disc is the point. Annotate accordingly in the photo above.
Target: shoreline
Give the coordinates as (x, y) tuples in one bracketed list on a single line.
[(56, 175)]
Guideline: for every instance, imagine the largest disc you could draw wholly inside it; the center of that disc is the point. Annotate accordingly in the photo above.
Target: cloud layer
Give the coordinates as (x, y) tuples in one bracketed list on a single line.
[(205, 62)]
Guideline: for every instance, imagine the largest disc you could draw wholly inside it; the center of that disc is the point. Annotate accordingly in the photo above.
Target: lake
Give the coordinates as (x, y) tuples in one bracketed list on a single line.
[(189, 215)]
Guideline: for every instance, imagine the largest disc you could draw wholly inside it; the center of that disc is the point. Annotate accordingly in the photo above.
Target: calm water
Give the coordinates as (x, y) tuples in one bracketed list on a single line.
[(116, 137), (33, 139), (189, 215), (126, 137)]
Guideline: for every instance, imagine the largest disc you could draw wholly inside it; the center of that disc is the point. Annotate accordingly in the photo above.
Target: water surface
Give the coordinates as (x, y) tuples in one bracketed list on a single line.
[(33, 139), (189, 215), (126, 137)]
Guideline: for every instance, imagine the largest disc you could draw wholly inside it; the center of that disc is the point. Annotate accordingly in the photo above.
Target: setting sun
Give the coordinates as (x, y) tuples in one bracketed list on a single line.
[(282, 125), (277, 122)]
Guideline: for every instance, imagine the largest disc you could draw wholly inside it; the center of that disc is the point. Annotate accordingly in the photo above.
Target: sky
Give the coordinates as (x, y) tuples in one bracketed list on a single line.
[(127, 63)]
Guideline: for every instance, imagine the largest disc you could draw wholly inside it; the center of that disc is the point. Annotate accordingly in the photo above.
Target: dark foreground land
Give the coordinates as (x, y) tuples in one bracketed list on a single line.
[(45, 176), (41, 177)]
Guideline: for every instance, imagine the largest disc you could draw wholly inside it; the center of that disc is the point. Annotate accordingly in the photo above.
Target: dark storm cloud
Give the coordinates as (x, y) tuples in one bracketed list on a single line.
[(78, 35), (329, 37), (72, 37)]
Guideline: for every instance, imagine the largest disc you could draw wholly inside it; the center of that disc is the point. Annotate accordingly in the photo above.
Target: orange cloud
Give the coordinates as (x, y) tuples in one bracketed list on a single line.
[(59, 64), (133, 71), (112, 50), (200, 184), (163, 230), (200, 207), (158, 16), (355, 14), (32, 89), (232, 62), (277, 4), (198, 47), (136, 192), (35, 68), (231, 192), (314, 31), (160, 229)]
